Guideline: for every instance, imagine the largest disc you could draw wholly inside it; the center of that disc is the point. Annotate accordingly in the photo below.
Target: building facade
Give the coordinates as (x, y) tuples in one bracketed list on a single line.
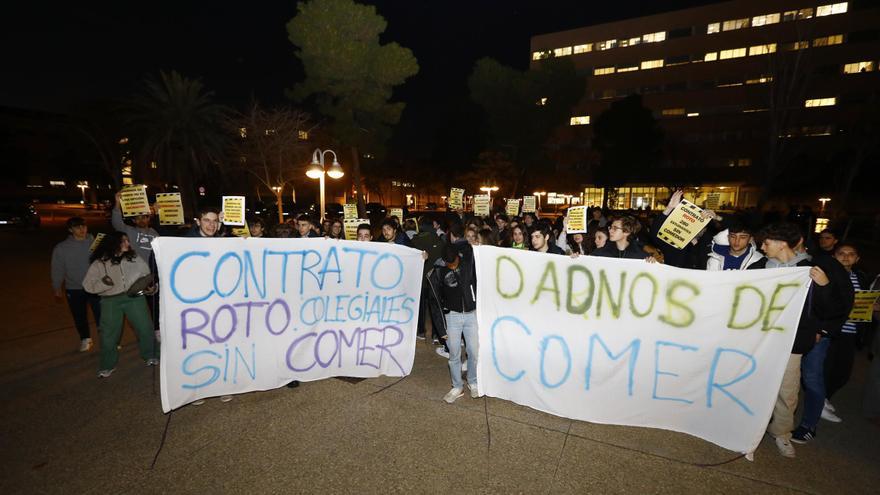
[(749, 94)]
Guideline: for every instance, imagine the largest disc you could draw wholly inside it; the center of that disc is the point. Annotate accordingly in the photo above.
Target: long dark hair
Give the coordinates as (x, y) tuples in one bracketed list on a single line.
[(108, 248)]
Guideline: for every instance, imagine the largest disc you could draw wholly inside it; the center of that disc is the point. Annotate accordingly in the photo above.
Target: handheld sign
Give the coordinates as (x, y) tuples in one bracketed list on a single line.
[(233, 210), (133, 201), (512, 208), (350, 227), (396, 212), (242, 231), (577, 220), (713, 200), (170, 208), (529, 204), (98, 237), (350, 210), (682, 225), (863, 306), (481, 205), (456, 198)]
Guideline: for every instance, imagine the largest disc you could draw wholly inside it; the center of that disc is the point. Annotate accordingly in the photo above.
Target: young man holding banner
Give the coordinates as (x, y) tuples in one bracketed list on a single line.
[(827, 307), (455, 293)]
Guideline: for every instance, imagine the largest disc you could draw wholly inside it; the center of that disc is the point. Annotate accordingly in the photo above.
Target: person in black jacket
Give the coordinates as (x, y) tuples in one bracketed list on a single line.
[(208, 223), (454, 293), (827, 306), (622, 241), (427, 241), (543, 239)]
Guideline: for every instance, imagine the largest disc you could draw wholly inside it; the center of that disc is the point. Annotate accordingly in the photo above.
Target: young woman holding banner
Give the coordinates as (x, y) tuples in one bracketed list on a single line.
[(115, 268)]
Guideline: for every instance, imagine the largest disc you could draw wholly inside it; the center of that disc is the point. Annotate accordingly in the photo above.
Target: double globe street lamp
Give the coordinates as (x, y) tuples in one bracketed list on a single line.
[(317, 171)]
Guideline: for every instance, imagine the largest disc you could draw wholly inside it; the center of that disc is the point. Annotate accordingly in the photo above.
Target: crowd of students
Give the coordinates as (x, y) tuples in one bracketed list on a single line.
[(116, 278)]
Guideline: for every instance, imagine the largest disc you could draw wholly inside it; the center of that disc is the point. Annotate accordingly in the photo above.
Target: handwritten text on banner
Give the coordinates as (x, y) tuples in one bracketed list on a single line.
[(631, 343)]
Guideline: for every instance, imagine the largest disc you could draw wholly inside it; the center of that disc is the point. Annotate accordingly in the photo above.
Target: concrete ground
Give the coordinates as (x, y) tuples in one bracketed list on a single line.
[(64, 431)]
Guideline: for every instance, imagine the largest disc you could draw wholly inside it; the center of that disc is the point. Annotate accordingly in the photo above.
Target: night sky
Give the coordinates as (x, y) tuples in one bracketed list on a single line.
[(56, 56)]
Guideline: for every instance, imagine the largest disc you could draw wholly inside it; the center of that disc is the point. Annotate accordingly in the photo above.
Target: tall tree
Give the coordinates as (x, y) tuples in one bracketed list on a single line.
[(524, 108), (628, 140), (350, 75), (178, 124), (269, 146)]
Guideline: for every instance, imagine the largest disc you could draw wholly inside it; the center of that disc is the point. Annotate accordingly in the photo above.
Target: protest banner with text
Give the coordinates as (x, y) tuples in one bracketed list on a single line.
[(239, 315), (863, 306), (631, 343), (512, 207), (170, 208), (576, 220)]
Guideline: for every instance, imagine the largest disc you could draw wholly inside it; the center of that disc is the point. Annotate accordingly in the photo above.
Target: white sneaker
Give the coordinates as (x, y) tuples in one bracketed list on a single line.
[(225, 398), (828, 415), (85, 345), (442, 352), (152, 362), (475, 394), (785, 447), (106, 373), (198, 402), (453, 394), (830, 406)]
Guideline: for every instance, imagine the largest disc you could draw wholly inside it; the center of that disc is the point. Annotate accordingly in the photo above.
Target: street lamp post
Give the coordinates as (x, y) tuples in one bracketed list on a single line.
[(823, 201), (538, 194), (83, 185), (489, 190), (318, 171)]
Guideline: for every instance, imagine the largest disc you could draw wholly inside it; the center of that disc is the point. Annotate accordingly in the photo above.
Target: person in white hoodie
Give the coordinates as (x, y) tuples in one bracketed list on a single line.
[(733, 249)]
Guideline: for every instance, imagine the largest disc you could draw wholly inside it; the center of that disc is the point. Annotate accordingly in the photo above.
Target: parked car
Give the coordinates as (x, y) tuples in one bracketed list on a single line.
[(20, 214)]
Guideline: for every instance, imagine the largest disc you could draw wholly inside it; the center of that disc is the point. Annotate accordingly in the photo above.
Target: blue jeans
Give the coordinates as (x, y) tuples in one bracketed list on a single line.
[(458, 324), (813, 379)]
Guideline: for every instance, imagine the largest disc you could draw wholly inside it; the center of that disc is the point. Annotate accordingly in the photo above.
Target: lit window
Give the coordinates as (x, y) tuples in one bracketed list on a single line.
[(652, 64), (857, 67), (831, 9), (302, 135), (601, 71), (607, 94), (763, 20), (630, 41), (606, 45), (797, 15), (153, 165), (711, 57), (654, 37), (760, 80), (628, 69), (123, 140), (828, 40), (562, 52), (755, 110), (735, 24), (693, 114), (672, 112), (270, 132), (581, 120), (762, 49), (583, 48), (732, 53), (242, 132), (713, 28), (821, 102), (59, 183), (540, 55), (797, 45)]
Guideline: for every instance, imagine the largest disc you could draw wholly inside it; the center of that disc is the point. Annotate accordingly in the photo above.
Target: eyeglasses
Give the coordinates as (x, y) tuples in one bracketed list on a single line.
[(614, 227)]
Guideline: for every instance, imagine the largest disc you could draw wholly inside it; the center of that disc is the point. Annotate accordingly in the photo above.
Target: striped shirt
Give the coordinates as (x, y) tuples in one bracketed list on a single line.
[(850, 326)]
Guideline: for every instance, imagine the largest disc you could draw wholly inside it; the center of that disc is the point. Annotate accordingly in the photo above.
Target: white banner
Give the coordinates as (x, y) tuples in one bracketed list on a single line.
[(239, 315), (631, 343)]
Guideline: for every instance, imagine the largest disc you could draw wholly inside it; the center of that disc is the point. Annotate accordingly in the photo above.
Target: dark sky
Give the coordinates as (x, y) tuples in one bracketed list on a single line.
[(56, 55)]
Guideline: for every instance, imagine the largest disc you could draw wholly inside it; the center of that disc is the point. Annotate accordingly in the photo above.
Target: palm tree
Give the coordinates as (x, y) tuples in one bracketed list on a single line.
[(178, 125)]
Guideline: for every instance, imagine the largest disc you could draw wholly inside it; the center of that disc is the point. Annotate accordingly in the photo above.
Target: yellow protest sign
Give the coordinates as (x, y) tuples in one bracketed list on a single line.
[(350, 210), (863, 307), (98, 237), (242, 231), (456, 198), (682, 225), (133, 201), (233, 210), (350, 227), (482, 208), (396, 212), (512, 208), (170, 208), (577, 220), (530, 204)]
